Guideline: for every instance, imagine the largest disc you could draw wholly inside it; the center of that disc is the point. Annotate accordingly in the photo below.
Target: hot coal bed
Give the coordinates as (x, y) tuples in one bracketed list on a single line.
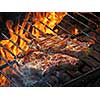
[(50, 49)]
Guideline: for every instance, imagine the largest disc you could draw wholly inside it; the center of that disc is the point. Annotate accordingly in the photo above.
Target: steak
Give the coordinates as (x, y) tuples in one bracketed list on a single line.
[(49, 52)]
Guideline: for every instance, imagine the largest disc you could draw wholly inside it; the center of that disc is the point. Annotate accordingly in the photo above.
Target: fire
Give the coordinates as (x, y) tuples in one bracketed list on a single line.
[(49, 18), (75, 31)]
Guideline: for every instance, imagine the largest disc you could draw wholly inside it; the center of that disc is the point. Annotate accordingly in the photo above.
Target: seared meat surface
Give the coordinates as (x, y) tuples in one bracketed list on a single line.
[(49, 52)]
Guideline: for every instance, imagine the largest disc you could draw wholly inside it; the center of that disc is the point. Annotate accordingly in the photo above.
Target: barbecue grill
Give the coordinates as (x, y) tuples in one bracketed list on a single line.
[(88, 71)]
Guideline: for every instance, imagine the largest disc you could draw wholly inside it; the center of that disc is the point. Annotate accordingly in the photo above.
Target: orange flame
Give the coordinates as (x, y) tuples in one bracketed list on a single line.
[(75, 31)]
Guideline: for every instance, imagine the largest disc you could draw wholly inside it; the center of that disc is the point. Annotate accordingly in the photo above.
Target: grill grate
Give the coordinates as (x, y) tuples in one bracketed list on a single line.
[(95, 67)]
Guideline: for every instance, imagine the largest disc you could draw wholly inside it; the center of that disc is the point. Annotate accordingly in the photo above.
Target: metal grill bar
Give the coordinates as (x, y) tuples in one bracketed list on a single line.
[(12, 42), (78, 21), (82, 23), (11, 67), (47, 26), (94, 15), (81, 33), (11, 54), (20, 37), (35, 27), (12, 82), (87, 18), (5, 65), (8, 50), (84, 78), (26, 31), (61, 27)]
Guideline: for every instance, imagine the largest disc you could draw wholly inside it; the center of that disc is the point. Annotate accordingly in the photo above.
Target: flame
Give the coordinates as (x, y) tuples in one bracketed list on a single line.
[(75, 31), (49, 18)]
